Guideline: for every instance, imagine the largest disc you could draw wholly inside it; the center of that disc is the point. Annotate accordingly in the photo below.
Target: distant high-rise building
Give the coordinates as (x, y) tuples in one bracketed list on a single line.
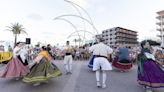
[(119, 36), (160, 23)]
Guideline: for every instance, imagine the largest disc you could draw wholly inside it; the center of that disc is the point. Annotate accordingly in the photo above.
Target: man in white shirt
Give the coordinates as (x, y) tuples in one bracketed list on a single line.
[(68, 58), (101, 52)]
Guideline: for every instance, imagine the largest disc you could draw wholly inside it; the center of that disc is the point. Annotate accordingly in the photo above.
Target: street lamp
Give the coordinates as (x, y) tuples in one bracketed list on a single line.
[(76, 6), (77, 16)]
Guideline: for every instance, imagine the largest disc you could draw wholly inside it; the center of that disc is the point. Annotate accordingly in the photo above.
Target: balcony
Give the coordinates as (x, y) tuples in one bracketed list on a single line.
[(159, 17), (126, 36), (159, 29), (160, 36), (127, 33), (125, 40), (159, 23)]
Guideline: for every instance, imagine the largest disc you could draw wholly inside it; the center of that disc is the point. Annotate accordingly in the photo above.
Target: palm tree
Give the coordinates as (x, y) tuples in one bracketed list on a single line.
[(16, 29)]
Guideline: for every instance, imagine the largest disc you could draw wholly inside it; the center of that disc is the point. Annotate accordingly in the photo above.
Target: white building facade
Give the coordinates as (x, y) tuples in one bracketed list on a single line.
[(119, 36), (160, 24)]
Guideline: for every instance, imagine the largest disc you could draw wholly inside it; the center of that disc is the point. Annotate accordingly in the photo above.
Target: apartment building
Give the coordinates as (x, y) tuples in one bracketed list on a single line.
[(160, 24), (119, 36)]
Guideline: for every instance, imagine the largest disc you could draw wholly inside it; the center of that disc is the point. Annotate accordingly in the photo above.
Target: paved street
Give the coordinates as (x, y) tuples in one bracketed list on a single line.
[(82, 80)]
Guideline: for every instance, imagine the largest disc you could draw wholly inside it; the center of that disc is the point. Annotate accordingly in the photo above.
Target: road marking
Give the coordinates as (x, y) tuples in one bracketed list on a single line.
[(70, 86)]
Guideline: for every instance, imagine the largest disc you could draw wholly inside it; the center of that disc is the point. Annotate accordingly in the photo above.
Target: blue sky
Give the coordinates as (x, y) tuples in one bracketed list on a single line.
[(37, 16)]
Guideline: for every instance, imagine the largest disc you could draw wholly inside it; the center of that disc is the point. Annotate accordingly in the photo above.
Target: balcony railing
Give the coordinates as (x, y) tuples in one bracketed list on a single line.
[(126, 36), (159, 17), (127, 33), (159, 29), (125, 40), (160, 35), (159, 23)]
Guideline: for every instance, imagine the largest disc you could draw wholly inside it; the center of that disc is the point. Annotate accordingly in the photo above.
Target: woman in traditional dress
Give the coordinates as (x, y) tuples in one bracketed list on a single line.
[(159, 55), (150, 75), (15, 68), (42, 69), (121, 62), (22, 56)]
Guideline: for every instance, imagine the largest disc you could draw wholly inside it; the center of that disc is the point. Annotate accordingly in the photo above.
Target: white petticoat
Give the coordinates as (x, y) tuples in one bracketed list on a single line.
[(101, 62)]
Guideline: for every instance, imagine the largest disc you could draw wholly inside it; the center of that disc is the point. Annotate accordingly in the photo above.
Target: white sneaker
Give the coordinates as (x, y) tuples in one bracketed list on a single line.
[(98, 84), (36, 84), (163, 66), (103, 85), (149, 90), (16, 79)]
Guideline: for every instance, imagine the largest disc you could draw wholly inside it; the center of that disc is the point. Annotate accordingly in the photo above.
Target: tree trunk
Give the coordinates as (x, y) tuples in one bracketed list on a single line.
[(75, 41), (15, 40)]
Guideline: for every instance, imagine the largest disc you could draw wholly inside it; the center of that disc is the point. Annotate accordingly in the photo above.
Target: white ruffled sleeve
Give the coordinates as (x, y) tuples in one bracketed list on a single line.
[(38, 58)]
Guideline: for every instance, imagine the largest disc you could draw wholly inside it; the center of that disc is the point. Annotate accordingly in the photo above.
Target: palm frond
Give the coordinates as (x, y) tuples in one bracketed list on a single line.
[(16, 28)]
